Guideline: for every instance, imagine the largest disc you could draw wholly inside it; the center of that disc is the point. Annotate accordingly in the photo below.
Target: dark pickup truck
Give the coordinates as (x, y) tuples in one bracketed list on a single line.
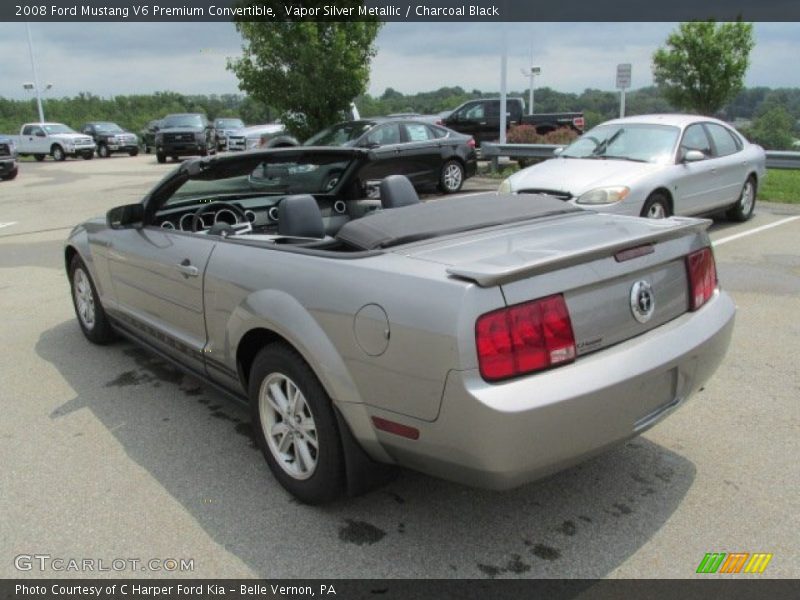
[(111, 138), (8, 158), (184, 134), (481, 119)]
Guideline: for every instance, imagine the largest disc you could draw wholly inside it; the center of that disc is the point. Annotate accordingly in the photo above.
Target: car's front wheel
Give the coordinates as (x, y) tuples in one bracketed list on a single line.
[(91, 316), (58, 153), (38, 157), (11, 174), (102, 151), (162, 158), (451, 177), (743, 208), (656, 207), (133, 152), (295, 425)]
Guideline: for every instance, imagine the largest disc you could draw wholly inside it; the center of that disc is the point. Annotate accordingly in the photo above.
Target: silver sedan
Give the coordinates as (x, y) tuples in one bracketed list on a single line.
[(653, 166)]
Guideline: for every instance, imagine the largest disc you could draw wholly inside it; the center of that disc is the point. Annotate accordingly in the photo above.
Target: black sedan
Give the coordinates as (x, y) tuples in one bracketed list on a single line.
[(429, 155)]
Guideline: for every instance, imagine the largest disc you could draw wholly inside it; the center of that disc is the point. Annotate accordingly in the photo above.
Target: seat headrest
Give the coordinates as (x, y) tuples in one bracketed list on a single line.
[(397, 191), (299, 216)]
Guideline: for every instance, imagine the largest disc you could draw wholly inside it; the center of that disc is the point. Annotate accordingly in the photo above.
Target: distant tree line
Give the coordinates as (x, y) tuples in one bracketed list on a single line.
[(774, 113)]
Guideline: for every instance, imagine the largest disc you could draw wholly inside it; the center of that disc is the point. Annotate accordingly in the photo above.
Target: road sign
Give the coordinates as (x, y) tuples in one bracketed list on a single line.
[(623, 76)]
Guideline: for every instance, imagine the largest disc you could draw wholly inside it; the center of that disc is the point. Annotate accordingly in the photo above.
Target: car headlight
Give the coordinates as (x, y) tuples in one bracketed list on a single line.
[(505, 187), (604, 195)]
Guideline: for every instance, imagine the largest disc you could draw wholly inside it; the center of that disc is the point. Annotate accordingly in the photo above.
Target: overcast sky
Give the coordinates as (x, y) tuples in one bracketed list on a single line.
[(108, 59)]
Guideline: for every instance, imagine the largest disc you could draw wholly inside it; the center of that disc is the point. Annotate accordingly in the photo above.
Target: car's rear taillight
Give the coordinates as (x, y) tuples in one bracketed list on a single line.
[(524, 338), (579, 123), (471, 142), (702, 274)]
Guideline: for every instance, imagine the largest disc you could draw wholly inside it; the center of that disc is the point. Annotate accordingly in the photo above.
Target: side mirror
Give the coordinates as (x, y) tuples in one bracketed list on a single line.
[(693, 156), (558, 150), (129, 215)]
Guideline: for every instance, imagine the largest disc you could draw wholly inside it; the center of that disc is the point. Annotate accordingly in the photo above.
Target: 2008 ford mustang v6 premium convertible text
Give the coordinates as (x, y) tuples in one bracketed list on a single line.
[(488, 339)]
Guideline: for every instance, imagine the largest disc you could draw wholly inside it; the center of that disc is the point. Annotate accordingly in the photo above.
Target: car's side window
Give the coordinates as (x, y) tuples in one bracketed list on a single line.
[(417, 132), (493, 109), (27, 130), (695, 138), (724, 141), (384, 134), (475, 112)]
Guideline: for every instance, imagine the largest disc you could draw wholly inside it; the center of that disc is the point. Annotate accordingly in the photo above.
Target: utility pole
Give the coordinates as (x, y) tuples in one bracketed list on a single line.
[(503, 86), (35, 75)]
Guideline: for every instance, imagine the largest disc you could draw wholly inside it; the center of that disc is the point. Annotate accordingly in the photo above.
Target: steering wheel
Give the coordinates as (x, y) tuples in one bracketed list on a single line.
[(197, 217)]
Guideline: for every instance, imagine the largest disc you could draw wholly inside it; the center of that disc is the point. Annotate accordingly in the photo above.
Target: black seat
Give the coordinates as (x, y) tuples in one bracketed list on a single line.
[(397, 191), (299, 216)]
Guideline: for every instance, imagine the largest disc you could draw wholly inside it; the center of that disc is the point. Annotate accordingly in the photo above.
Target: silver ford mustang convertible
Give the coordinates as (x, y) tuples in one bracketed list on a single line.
[(488, 339)]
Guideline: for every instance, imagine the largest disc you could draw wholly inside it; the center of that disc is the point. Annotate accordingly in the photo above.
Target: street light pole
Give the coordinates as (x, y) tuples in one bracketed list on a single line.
[(35, 75), (531, 73)]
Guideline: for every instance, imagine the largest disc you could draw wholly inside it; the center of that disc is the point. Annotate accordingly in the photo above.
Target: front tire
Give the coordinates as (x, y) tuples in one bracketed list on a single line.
[(102, 151), (38, 157), (10, 175), (451, 177), (656, 207), (295, 425), (91, 316), (742, 210), (58, 153), (88, 155), (162, 158), (133, 152)]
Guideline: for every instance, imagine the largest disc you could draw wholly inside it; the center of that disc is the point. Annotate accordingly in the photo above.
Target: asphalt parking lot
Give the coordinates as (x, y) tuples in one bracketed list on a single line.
[(110, 453)]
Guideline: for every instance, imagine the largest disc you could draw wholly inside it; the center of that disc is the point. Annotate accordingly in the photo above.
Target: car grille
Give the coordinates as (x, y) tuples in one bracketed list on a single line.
[(83, 141), (178, 137), (126, 139), (236, 143), (5, 150), (560, 194)]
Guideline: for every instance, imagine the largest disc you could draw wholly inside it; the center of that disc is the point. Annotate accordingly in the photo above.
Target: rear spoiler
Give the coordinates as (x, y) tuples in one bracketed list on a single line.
[(488, 275)]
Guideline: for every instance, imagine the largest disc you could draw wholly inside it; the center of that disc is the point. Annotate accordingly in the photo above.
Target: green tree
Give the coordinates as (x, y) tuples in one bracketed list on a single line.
[(309, 71), (773, 129), (703, 64)]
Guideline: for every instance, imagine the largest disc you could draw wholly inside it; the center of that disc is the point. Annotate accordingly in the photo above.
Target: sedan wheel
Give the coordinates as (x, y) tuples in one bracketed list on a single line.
[(452, 177), (295, 425), (102, 151), (743, 209), (656, 207), (91, 316)]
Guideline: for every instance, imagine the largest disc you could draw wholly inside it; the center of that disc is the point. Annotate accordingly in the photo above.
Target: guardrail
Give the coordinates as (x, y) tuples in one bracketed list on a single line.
[(776, 159)]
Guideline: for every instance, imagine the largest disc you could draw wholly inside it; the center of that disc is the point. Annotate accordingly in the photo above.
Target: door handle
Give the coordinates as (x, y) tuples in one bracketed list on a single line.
[(482, 123), (187, 269)]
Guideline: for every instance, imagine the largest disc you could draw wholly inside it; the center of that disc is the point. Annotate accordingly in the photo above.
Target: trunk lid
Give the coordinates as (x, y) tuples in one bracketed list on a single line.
[(610, 296)]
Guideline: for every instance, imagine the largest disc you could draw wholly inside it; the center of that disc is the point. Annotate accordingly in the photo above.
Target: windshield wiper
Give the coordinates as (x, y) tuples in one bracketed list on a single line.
[(601, 147), (640, 160)]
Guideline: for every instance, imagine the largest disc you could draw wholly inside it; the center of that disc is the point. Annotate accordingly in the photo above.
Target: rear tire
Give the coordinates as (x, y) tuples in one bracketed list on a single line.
[(451, 177), (656, 207), (91, 316), (162, 158), (742, 210), (295, 425)]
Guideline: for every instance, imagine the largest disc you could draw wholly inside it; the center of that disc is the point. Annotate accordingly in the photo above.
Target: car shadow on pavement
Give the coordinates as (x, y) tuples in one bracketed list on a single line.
[(195, 444)]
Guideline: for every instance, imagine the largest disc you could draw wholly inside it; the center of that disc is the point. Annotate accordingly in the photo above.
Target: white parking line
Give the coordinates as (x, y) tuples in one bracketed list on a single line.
[(736, 236), (7, 224)]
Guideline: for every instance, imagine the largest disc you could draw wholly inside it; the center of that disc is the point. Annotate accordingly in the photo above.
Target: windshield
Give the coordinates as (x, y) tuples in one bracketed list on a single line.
[(57, 128), (182, 121), (108, 127), (638, 142), (228, 123), (343, 134), (314, 174)]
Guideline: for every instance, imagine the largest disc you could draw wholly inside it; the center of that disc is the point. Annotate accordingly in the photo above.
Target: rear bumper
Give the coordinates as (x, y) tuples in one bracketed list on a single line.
[(503, 435)]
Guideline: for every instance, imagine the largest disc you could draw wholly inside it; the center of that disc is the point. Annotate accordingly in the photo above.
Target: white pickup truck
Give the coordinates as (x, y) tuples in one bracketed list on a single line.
[(54, 139)]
